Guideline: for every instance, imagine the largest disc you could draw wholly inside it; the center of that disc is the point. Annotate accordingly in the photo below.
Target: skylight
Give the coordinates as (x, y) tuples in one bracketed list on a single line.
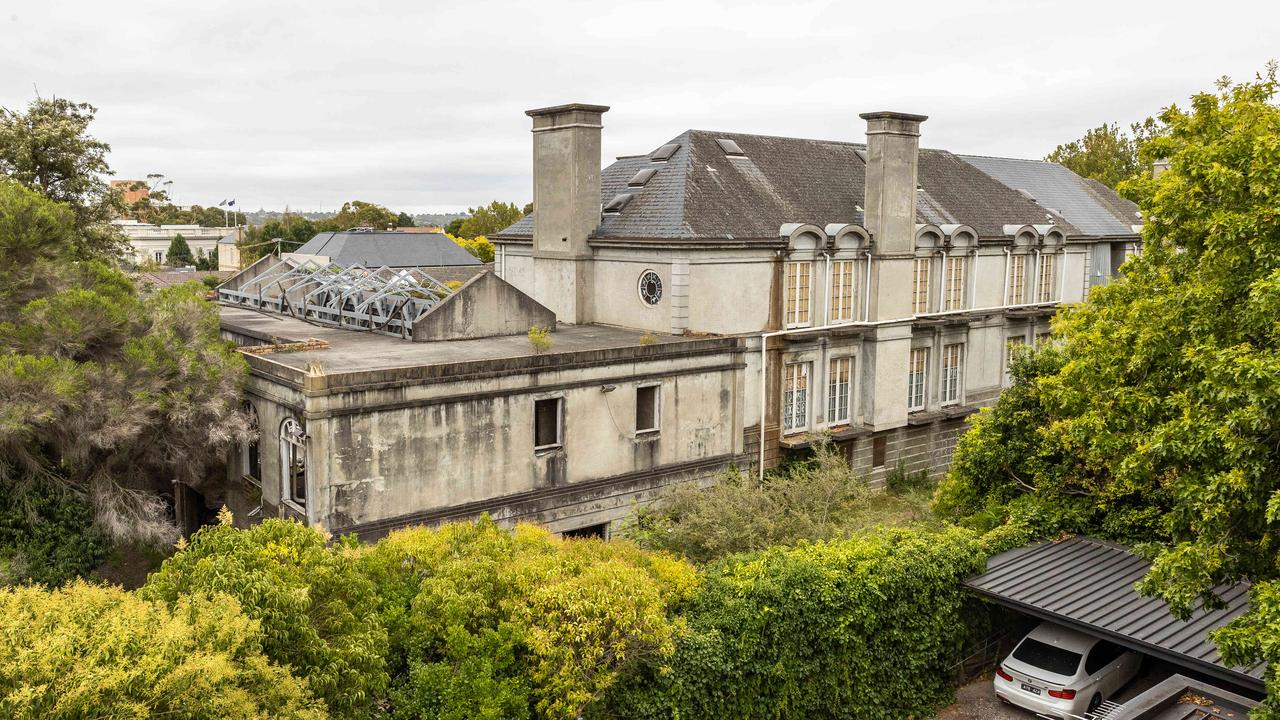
[(664, 153), (730, 148), (642, 178), (618, 202)]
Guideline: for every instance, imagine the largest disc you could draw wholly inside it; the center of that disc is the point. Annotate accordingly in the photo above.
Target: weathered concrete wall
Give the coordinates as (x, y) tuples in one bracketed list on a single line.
[(485, 306)]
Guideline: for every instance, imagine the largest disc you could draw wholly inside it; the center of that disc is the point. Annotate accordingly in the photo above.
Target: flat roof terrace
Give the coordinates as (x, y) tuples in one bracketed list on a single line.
[(356, 358)]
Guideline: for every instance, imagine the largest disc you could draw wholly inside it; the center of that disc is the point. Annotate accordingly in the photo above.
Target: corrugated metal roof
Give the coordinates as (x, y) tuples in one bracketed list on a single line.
[(392, 249), (1088, 584), (1089, 205)]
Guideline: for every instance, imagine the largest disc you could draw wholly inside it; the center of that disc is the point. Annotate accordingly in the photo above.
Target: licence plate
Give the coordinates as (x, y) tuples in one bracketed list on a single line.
[(1031, 689)]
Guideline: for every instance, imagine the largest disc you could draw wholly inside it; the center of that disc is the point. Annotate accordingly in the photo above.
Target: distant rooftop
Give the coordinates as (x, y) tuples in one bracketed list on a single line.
[(389, 249)]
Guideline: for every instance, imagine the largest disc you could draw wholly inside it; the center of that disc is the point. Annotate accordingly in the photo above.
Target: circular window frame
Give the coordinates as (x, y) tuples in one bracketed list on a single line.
[(640, 287)]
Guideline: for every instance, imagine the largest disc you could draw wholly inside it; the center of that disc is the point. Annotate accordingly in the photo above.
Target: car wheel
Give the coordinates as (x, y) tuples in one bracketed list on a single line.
[(1095, 702)]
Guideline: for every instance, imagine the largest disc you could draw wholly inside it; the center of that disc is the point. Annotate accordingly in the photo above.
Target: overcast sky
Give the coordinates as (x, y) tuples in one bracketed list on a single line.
[(420, 105)]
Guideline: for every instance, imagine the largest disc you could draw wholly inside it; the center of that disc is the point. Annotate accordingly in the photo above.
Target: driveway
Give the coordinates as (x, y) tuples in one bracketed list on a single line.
[(976, 700)]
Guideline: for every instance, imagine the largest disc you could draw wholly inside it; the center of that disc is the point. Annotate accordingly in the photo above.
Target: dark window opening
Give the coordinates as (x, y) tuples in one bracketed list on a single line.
[(664, 153), (1047, 657), (293, 460), (730, 148), (252, 460), (599, 532), (647, 409), (546, 421), (879, 447)]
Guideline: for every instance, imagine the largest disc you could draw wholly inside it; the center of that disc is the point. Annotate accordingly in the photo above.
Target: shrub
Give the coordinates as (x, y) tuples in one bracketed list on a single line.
[(47, 536), (868, 627), (540, 338), (91, 651), (482, 621), (316, 608)]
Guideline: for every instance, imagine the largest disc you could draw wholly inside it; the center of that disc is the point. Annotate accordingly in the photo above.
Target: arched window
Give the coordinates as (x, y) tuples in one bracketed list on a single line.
[(293, 461), (251, 466)]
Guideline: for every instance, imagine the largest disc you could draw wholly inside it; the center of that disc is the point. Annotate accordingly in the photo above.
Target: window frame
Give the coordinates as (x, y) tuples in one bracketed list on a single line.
[(793, 309), (656, 409), (1046, 277), (559, 430), (918, 379), (1017, 292), (293, 446), (919, 293), (951, 391), (844, 296), (790, 406), (251, 449), (834, 394), (955, 283)]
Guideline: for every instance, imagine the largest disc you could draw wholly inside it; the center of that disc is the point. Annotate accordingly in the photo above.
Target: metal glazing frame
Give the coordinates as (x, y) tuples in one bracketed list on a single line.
[(385, 300)]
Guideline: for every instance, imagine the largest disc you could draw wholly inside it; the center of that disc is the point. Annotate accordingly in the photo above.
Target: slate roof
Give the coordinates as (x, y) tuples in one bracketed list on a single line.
[(393, 249), (1091, 206), (701, 193), (1087, 584)]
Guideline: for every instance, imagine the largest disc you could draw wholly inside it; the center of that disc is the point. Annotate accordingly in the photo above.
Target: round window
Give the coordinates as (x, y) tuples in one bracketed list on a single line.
[(650, 287)]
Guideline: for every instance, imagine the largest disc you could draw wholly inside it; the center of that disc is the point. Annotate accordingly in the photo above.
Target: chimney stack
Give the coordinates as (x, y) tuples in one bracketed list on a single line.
[(566, 201), (893, 145)]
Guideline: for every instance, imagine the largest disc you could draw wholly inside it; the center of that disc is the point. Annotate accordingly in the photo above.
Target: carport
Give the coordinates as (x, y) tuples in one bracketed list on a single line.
[(1088, 585)]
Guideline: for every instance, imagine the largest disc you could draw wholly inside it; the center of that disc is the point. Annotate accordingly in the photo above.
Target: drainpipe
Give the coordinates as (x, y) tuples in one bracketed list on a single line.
[(1008, 264)]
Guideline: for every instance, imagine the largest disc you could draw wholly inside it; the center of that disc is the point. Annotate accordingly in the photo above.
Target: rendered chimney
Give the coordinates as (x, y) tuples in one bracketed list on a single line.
[(566, 201), (893, 151)]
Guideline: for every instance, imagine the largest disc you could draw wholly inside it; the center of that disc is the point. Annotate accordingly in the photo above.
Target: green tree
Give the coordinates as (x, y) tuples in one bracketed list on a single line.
[(1106, 153), (49, 149), (358, 213), (47, 537), (179, 253), (105, 394), (208, 262), (1157, 417), (316, 609), (489, 219), (90, 651), (404, 219), (454, 227)]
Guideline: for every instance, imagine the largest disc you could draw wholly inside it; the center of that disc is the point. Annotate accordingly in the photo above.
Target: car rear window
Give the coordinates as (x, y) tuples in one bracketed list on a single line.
[(1047, 657)]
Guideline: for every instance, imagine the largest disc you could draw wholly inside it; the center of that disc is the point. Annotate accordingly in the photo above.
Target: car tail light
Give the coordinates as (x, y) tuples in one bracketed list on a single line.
[(1064, 694), (1004, 675)]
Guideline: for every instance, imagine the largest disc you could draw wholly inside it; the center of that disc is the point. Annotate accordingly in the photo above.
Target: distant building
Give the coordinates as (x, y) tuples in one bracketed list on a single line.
[(229, 250), (432, 252), (151, 242), (131, 190)]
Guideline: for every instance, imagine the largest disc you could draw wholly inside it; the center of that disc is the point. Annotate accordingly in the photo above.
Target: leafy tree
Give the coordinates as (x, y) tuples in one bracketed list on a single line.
[(1155, 416), (488, 219), (404, 219), (1106, 153), (454, 227), (179, 254), (316, 609), (358, 213), (817, 499), (478, 246), (49, 149), (484, 622), (90, 651), (208, 262), (105, 394)]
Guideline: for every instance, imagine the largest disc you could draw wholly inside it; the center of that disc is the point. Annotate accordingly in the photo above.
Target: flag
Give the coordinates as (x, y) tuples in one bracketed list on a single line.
[(232, 202), (224, 202)]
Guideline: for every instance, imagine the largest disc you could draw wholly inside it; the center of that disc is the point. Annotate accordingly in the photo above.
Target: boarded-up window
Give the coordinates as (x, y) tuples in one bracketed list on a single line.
[(1048, 276), (956, 273), (878, 447), (647, 409), (1017, 280), (546, 423)]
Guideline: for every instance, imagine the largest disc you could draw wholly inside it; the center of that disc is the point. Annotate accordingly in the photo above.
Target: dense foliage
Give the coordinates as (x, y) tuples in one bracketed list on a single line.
[(484, 622), (867, 627), (179, 253), (1107, 153), (489, 219), (1155, 414), (88, 651), (315, 608), (47, 537), (478, 246), (48, 149), (103, 393), (815, 499)]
